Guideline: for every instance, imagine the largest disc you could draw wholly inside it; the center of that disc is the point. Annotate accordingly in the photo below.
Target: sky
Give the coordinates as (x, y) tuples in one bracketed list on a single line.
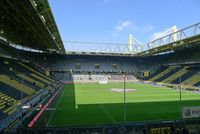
[(113, 20)]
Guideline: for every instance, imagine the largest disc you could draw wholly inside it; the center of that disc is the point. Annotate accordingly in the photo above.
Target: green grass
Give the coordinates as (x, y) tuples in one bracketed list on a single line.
[(92, 104)]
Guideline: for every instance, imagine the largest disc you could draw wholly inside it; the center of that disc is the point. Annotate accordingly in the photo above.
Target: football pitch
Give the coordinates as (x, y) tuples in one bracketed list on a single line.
[(93, 104)]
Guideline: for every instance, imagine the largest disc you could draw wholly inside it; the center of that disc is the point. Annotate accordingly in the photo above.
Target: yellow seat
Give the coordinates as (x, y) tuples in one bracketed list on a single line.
[(13, 83)]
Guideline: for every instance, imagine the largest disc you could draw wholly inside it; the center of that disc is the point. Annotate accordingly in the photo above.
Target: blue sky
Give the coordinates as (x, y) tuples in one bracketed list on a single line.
[(114, 20)]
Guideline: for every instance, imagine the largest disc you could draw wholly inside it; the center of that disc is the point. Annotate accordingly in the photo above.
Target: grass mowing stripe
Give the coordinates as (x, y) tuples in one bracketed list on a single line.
[(156, 116), (55, 108), (107, 113), (164, 112)]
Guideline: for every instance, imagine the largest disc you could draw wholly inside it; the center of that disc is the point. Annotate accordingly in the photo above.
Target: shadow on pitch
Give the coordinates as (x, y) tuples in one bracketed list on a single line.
[(68, 113)]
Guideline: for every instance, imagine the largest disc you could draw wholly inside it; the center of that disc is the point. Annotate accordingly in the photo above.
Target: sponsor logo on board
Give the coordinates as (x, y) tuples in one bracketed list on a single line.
[(191, 112)]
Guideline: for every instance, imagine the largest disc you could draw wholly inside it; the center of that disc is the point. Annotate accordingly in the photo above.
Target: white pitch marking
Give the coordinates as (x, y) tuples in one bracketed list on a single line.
[(107, 113)]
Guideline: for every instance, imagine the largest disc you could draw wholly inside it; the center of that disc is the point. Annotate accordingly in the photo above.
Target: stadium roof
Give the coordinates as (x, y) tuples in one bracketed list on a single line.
[(30, 23), (184, 38)]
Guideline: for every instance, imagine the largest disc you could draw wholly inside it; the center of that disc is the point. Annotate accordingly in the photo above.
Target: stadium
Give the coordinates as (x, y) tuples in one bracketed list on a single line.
[(110, 88)]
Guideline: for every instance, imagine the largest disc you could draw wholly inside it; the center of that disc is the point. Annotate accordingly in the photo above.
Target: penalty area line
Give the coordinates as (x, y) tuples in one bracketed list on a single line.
[(156, 116), (104, 109), (50, 109), (55, 108)]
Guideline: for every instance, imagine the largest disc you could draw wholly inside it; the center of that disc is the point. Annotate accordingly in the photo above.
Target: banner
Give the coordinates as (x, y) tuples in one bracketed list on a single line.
[(191, 112), (47, 72), (163, 130), (193, 128), (146, 73)]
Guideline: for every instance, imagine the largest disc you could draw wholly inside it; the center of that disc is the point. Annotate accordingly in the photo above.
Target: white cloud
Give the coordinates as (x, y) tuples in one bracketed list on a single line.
[(147, 28), (127, 27), (122, 25), (158, 35)]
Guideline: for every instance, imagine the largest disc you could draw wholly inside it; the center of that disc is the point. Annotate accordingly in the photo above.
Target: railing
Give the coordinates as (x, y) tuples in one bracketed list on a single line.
[(176, 36), (71, 46), (168, 126)]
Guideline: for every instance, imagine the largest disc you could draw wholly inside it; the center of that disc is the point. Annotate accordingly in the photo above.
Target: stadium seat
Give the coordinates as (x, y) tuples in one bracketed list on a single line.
[(43, 77), (13, 83), (184, 76), (11, 91), (175, 74), (193, 79), (166, 71)]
